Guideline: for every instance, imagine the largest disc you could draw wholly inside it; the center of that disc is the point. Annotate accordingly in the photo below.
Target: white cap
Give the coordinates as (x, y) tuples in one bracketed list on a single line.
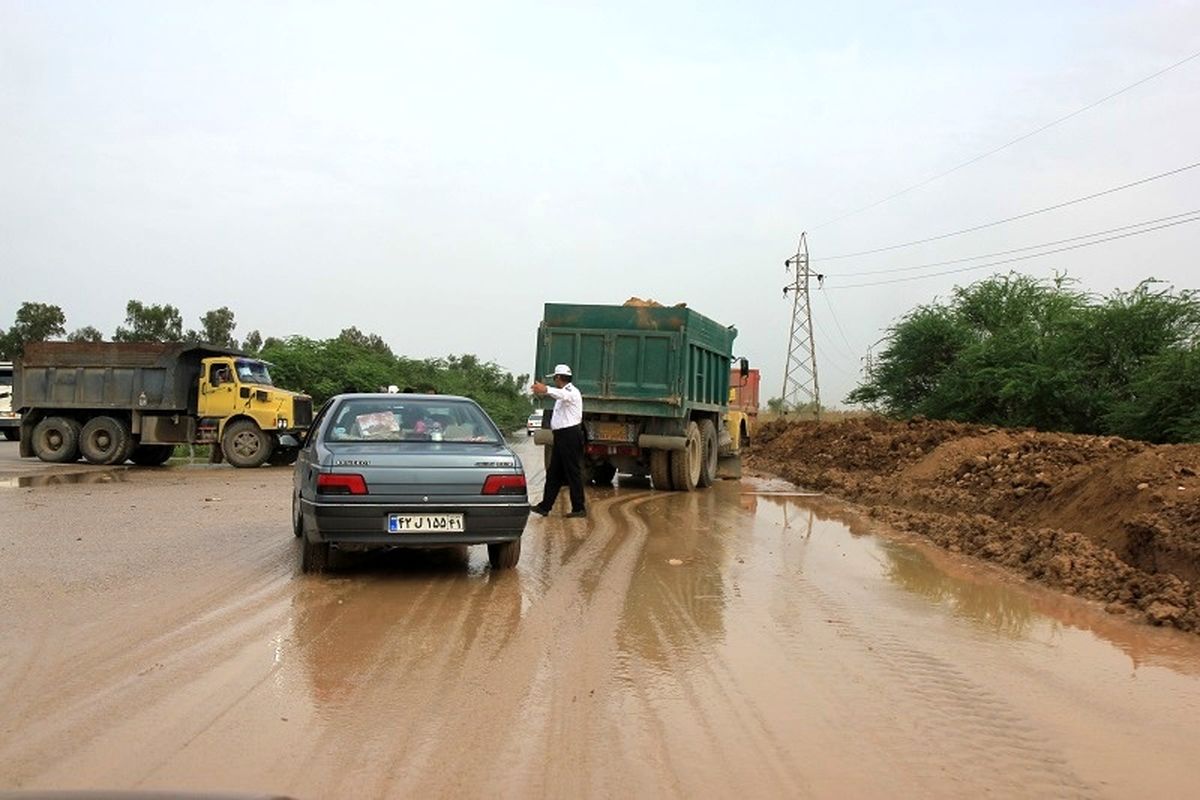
[(561, 369)]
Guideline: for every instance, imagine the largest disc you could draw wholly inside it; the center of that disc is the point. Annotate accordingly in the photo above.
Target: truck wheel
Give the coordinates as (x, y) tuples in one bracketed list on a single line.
[(12, 434), (56, 439), (686, 463), (314, 556), (152, 455), (603, 474), (283, 456), (504, 555), (245, 444), (105, 440), (708, 461), (660, 470)]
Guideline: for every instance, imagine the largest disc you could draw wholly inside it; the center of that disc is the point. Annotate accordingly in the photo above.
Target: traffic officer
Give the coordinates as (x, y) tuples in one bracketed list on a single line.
[(566, 457)]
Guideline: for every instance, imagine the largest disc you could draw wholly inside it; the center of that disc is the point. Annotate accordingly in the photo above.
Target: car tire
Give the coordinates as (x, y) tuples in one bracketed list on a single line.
[(686, 464), (151, 455), (106, 441), (708, 453), (56, 440), (504, 555), (245, 444), (297, 517), (660, 470), (314, 556)]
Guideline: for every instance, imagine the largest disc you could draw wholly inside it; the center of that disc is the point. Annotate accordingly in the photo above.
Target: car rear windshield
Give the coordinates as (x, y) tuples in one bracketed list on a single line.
[(410, 420)]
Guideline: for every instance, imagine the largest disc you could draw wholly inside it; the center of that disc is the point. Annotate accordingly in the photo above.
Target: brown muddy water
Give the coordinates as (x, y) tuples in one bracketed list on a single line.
[(723, 642)]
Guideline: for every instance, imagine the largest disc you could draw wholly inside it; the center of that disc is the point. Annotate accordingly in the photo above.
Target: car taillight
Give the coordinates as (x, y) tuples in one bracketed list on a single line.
[(341, 484), (504, 484)]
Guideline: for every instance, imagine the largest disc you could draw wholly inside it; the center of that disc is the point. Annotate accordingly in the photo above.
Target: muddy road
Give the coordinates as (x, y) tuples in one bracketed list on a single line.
[(738, 641)]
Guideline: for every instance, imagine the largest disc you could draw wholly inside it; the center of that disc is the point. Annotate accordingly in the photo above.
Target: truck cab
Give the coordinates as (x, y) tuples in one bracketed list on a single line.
[(239, 406)]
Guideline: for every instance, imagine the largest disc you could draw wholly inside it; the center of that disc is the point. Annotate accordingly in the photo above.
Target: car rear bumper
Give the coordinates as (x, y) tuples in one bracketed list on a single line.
[(366, 523)]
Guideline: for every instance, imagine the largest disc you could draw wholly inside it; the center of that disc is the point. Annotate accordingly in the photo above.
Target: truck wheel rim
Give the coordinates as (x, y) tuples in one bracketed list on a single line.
[(245, 444)]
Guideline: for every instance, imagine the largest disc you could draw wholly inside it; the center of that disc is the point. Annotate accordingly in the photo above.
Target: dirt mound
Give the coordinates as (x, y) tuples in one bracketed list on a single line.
[(1106, 518), (637, 302)]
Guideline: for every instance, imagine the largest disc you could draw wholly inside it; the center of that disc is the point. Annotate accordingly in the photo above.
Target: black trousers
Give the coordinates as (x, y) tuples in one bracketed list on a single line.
[(566, 466)]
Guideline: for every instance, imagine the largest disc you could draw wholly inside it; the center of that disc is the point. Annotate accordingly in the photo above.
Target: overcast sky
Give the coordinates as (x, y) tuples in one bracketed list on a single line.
[(435, 172)]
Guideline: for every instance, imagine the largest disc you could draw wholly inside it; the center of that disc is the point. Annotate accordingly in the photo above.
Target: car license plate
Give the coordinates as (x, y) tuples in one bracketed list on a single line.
[(611, 432), (425, 523)]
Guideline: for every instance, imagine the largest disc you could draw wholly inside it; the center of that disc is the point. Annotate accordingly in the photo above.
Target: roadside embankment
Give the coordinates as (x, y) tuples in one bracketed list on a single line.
[(1104, 518)]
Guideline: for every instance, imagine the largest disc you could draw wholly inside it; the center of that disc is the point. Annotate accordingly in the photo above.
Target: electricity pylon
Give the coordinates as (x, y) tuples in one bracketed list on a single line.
[(800, 386)]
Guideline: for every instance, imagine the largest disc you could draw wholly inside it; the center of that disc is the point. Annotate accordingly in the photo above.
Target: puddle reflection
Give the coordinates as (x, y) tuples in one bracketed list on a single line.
[(64, 478)]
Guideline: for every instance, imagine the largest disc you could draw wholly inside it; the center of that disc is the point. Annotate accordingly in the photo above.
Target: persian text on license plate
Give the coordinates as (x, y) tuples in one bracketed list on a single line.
[(425, 523), (612, 432)]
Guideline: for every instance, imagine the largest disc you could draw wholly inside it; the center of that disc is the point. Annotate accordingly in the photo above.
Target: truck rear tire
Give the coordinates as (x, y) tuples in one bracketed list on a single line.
[(245, 444), (56, 440), (603, 473), (686, 463), (105, 440), (152, 455), (660, 470), (709, 453)]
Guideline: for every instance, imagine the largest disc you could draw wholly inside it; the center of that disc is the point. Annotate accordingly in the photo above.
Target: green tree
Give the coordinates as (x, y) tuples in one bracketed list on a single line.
[(253, 343), (85, 334), (150, 323), (1012, 350), (216, 327), (34, 322)]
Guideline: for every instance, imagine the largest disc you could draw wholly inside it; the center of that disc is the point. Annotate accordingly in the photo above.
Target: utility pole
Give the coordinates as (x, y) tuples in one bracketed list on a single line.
[(800, 385)]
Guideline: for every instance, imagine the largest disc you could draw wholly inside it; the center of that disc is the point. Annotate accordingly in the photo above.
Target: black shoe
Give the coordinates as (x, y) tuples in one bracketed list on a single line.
[(577, 514), (541, 512)]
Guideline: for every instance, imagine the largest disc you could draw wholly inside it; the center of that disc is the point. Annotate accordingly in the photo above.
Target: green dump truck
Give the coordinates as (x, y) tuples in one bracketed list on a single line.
[(655, 385)]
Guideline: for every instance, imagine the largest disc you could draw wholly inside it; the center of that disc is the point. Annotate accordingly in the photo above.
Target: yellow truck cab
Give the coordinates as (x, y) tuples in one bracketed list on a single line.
[(239, 407)]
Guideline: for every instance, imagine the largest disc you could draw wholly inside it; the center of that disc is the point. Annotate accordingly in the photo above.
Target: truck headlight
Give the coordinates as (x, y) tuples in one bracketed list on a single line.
[(281, 423)]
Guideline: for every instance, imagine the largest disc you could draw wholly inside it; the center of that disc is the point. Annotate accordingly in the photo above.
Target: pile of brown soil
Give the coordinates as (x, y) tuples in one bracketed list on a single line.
[(1105, 518)]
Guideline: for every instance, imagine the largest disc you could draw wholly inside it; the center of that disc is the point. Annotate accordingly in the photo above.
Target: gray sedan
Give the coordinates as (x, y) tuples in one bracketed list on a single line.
[(401, 470)]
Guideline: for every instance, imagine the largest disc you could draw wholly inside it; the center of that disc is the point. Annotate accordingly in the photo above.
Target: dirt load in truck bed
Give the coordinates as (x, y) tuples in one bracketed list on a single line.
[(1105, 518)]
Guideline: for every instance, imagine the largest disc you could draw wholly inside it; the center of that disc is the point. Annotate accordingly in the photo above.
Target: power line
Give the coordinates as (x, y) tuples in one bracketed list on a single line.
[(841, 332), (1025, 215), (1018, 258), (1015, 250), (1008, 144)]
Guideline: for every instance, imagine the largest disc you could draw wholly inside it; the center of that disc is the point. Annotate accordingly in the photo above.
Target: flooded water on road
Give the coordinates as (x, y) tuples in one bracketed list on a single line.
[(741, 640)]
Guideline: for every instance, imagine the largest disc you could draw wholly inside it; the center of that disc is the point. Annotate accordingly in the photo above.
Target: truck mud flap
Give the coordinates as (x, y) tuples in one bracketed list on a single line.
[(729, 467)]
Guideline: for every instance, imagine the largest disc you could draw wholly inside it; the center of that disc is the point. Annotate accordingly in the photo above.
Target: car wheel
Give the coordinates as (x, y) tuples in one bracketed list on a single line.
[(314, 556), (297, 517), (504, 555)]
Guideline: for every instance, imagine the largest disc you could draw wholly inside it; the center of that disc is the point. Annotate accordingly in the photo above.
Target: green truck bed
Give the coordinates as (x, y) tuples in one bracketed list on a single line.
[(639, 361)]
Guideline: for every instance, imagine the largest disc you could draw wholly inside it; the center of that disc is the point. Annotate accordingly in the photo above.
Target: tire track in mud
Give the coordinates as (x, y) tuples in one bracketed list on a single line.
[(500, 686), (986, 743)]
